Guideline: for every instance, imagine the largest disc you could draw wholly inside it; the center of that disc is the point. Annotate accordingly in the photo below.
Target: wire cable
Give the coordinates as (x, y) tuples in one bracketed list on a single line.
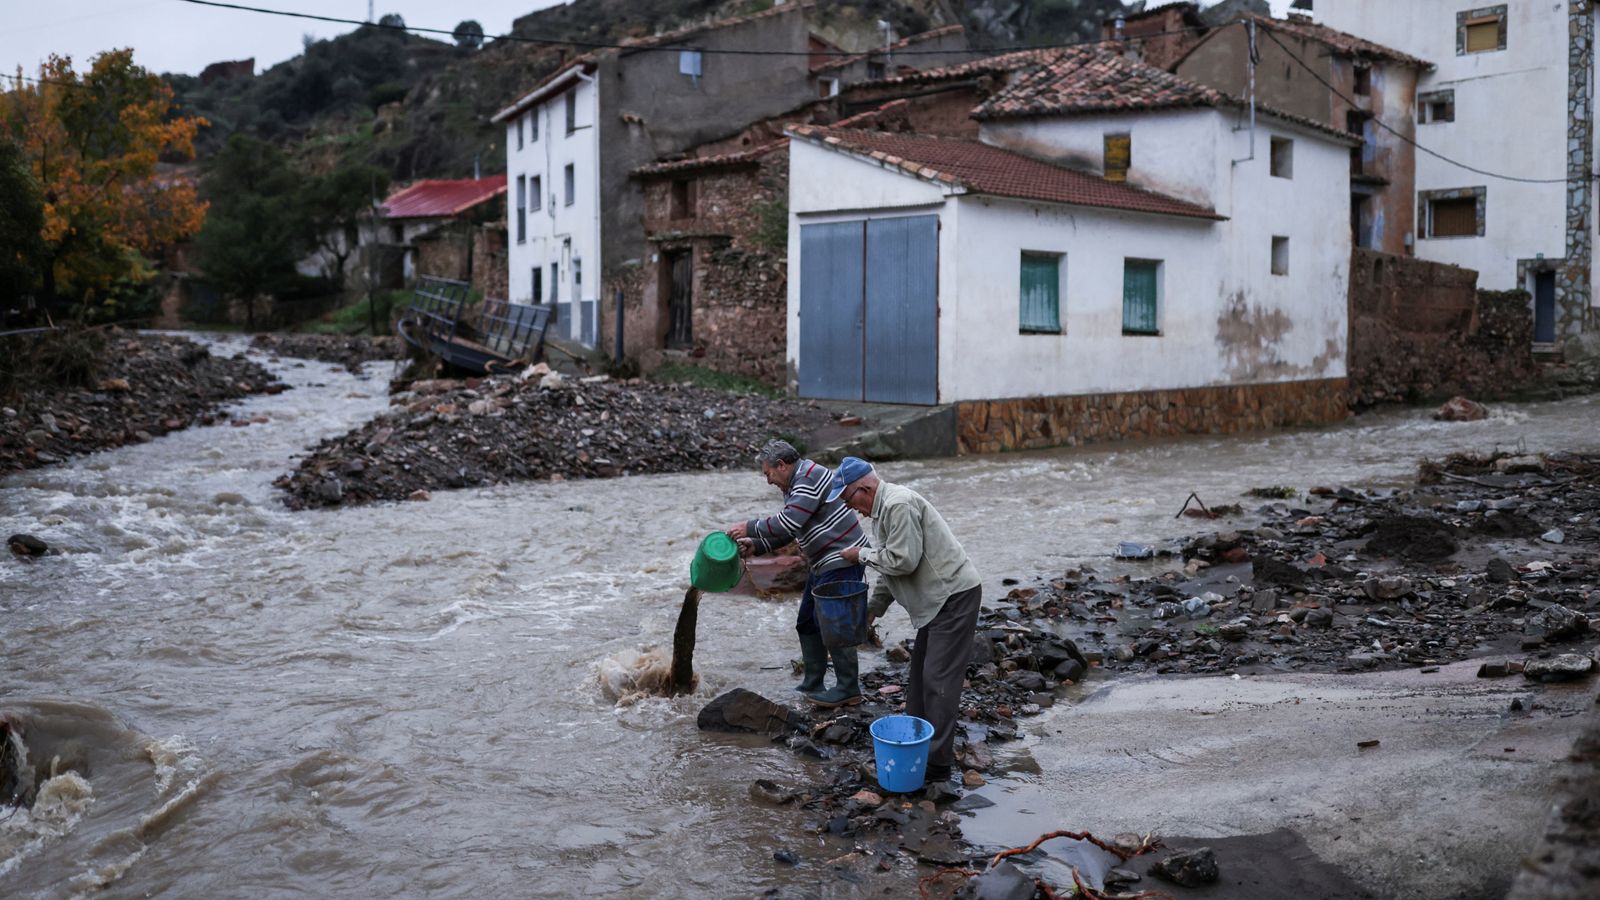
[(1385, 126), (671, 47)]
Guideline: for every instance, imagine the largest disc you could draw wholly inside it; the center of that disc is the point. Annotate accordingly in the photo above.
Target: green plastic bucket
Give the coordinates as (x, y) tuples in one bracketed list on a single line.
[(716, 567)]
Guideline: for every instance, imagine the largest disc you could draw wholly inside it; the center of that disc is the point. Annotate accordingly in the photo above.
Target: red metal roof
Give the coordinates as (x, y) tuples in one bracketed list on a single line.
[(983, 169), (435, 198)]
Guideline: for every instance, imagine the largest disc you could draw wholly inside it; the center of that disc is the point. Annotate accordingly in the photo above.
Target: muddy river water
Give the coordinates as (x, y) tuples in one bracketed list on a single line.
[(406, 699)]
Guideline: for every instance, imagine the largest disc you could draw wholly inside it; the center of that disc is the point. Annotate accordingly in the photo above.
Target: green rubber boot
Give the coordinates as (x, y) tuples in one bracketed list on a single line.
[(815, 657), (846, 690)]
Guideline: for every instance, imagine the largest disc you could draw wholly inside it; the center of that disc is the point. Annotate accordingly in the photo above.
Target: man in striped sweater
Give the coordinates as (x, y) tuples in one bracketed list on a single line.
[(824, 529)]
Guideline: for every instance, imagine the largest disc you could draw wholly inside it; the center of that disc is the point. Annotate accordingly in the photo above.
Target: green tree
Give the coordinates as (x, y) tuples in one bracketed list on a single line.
[(254, 232), (468, 34), (21, 233), (331, 207)]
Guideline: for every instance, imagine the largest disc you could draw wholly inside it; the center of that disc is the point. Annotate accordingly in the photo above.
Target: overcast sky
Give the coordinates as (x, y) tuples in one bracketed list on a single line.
[(174, 36)]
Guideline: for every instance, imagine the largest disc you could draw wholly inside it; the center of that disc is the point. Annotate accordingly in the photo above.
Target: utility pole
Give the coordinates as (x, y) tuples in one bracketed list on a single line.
[(369, 12)]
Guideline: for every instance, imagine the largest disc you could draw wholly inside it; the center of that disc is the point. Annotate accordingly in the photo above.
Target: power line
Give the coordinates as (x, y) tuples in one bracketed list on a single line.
[(1385, 126), (612, 45)]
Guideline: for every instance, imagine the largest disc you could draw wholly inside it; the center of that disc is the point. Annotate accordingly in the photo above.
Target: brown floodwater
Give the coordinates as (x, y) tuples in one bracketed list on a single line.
[(411, 699)]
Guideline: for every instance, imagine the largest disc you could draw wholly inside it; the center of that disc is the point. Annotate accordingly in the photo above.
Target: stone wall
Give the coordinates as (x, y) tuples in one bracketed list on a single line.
[(1029, 423), (1420, 330), (490, 265)]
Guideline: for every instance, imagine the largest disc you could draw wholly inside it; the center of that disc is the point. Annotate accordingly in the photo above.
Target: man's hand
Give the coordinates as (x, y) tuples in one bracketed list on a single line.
[(851, 555), (738, 532), (746, 546)]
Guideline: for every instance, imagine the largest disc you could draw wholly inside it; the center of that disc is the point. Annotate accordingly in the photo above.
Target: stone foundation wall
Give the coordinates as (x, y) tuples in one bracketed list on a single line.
[(1421, 330), (491, 271), (1030, 423)]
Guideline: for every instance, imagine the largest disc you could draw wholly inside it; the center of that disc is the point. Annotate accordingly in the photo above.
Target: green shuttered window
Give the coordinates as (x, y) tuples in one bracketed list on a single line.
[(1041, 293), (1140, 294)]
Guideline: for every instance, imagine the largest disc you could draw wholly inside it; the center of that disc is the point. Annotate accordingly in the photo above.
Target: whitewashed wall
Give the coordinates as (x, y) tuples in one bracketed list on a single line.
[(1511, 118), (556, 233)]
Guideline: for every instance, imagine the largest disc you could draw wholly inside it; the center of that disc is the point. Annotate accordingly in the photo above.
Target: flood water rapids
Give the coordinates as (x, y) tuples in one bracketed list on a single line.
[(406, 699)]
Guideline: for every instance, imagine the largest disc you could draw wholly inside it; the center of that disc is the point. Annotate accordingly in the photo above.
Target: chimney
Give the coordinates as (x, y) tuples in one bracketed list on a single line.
[(1300, 11)]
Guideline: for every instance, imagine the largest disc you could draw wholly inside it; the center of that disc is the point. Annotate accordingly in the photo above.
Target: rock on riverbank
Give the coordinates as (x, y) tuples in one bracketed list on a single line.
[(147, 385), (348, 351), (454, 434)]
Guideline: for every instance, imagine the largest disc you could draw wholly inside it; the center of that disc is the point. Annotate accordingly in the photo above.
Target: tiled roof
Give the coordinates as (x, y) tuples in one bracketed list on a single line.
[(1341, 42), (1088, 79), (1185, 6), (979, 168), (1091, 80), (840, 62), (435, 198), (706, 163), (989, 65)]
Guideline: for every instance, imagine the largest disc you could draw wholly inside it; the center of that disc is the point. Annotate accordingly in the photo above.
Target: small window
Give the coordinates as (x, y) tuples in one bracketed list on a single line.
[(572, 110), (1280, 255), (577, 276), (533, 125), (1438, 106), (1118, 156), (522, 209), (519, 132), (1481, 30), (1141, 296), (683, 197), (689, 63), (1363, 81), (538, 284), (876, 70), (536, 193), (827, 87), (398, 233), (1455, 214), (555, 282), (1040, 300), (569, 175), (1282, 160)]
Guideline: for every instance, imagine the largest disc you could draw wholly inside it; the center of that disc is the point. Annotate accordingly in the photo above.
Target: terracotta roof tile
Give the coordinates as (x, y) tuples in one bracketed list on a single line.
[(1340, 41), (989, 65), (748, 157), (436, 198), (1089, 79), (979, 168)]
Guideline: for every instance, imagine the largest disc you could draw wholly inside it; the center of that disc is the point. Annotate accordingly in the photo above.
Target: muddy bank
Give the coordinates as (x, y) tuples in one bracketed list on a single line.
[(138, 387), (352, 352), (453, 434), (1566, 863)]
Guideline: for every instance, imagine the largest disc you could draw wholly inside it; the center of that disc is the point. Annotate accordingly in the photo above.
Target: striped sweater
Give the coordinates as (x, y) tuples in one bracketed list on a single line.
[(821, 528)]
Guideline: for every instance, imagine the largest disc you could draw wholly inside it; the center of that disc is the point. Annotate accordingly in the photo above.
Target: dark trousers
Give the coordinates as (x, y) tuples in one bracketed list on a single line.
[(806, 621), (939, 666)]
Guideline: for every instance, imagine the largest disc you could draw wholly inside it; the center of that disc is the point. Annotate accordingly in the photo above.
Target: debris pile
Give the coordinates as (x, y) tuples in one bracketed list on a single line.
[(451, 434), (342, 350), (146, 386), (1487, 554)]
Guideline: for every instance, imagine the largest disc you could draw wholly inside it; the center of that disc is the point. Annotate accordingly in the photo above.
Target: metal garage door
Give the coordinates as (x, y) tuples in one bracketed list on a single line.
[(869, 310)]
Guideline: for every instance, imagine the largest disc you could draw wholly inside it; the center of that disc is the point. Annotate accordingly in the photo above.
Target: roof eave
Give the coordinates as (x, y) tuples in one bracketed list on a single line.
[(1198, 215), (549, 88)]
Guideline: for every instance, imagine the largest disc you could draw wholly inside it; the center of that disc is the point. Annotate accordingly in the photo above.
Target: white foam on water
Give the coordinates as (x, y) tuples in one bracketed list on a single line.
[(61, 802), (633, 675)]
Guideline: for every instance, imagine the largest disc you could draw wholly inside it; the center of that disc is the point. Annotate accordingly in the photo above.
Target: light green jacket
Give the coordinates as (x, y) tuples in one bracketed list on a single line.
[(918, 561)]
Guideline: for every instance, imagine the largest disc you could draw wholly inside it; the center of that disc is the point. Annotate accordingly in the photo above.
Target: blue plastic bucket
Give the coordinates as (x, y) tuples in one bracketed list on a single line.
[(841, 608), (900, 744)]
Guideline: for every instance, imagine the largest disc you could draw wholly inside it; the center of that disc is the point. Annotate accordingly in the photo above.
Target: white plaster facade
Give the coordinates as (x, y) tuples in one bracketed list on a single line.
[(1511, 118), (558, 233), (1224, 317)]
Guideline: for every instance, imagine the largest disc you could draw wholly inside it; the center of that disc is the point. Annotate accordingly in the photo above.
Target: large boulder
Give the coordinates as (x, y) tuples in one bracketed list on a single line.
[(741, 711), (1460, 409)]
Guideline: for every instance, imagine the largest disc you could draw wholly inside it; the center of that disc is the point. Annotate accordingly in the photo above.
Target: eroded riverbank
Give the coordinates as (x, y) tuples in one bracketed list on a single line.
[(405, 699)]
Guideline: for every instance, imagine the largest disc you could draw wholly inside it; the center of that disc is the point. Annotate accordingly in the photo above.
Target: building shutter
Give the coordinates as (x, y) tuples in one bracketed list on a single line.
[(1455, 218), (1139, 296), (1041, 288), (1118, 156), (1483, 34)]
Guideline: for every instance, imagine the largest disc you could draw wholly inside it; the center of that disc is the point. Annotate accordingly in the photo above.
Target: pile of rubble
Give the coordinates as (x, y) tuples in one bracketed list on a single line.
[(147, 385), (349, 351), (452, 434), (1487, 555)]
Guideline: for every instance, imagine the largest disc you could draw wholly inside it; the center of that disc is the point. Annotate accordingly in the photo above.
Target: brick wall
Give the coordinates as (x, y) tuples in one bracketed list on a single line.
[(1420, 330), (1029, 423)]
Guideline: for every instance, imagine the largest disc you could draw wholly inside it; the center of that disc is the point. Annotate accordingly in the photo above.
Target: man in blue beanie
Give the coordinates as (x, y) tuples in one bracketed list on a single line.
[(824, 528), (924, 568)]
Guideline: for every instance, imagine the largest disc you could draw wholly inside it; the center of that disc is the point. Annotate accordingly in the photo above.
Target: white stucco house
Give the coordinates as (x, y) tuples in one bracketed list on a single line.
[(1120, 253), (1512, 96)]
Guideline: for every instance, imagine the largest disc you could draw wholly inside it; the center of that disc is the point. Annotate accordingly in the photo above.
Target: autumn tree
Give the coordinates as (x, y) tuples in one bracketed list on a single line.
[(21, 233), (93, 142)]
